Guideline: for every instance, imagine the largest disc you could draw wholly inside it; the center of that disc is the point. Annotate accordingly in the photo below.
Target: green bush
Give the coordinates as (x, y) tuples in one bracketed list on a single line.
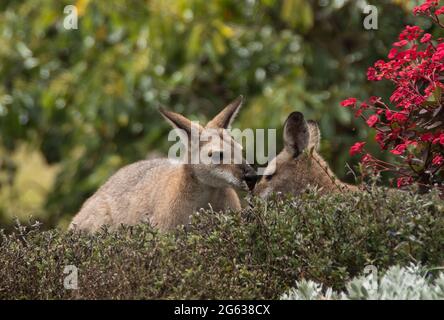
[(256, 253), (406, 283)]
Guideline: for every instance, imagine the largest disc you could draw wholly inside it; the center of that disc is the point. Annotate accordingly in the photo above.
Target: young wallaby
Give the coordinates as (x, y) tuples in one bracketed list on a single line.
[(299, 164), (164, 192)]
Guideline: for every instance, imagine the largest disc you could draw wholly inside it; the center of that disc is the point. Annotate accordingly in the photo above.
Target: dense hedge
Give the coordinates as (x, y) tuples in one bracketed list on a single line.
[(256, 253)]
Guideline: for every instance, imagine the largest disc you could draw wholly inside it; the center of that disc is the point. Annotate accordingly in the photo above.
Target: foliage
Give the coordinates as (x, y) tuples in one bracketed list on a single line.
[(256, 253), (87, 98), (397, 283), (413, 129)]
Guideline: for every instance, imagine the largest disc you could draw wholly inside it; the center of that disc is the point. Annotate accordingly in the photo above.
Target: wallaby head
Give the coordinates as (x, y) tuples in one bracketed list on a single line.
[(299, 164), (213, 156)]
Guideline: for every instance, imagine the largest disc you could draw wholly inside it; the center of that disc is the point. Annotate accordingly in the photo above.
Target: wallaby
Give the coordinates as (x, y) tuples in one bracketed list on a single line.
[(299, 164), (164, 192)]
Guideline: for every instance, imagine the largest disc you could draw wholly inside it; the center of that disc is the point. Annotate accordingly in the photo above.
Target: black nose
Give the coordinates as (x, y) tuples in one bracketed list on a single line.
[(251, 178)]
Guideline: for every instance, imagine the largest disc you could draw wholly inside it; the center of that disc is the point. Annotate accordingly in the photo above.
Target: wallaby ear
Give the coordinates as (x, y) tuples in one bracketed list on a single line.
[(178, 121), (296, 134), (315, 135), (227, 115)]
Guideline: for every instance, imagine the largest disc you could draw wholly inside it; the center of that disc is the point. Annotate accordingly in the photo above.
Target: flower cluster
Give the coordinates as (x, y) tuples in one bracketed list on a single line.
[(411, 126)]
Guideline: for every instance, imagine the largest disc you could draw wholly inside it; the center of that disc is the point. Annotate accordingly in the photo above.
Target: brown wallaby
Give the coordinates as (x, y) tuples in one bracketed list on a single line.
[(164, 192), (299, 164)]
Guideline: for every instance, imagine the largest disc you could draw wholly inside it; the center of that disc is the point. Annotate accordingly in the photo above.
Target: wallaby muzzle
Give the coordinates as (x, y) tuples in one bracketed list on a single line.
[(250, 176)]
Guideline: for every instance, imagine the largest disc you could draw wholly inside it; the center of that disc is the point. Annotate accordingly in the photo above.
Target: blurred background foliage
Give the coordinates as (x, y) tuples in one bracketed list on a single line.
[(76, 105)]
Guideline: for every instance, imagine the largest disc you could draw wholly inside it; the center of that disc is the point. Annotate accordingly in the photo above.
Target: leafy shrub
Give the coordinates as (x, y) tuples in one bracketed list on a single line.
[(411, 127), (406, 283), (256, 253)]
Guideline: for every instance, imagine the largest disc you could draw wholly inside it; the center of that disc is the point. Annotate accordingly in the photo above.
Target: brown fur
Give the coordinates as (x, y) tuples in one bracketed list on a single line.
[(165, 193), (299, 164)]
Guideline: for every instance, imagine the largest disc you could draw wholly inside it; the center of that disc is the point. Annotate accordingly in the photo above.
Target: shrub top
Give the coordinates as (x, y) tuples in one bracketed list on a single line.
[(256, 253)]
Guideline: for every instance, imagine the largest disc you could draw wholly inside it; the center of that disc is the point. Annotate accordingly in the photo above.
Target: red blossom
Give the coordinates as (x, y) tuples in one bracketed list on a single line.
[(410, 33), (426, 137), (439, 139), (399, 149), (408, 126), (399, 117), (440, 11), (356, 148), (439, 54), (349, 102), (358, 113), (366, 158), (423, 8), (401, 43), (372, 120), (374, 99), (372, 75), (380, 137), (438, 160), (426, 38), (393, 53), (404, 181)]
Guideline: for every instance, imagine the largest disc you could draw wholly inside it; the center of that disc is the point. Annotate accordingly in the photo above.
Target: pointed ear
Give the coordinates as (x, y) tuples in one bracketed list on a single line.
[(227, 115), (315, 135), (178, 121), (296, 134)]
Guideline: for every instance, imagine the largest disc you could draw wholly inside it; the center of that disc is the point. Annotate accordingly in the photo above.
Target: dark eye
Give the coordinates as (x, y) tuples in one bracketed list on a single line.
[(269, 177)]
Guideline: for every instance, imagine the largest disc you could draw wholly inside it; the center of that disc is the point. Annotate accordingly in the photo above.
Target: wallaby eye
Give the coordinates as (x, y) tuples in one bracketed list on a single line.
[(269, 177)]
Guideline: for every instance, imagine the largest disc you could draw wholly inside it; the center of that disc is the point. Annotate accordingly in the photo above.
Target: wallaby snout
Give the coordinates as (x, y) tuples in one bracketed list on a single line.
[(250, 176)]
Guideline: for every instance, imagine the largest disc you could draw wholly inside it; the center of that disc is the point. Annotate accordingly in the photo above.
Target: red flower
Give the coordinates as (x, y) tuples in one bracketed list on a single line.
[(399, 149), (372, 120), (412, 143), (356, 148), (392, 54), (380, 138), (374, 99), (399, 117), (439, 139), (404, 181), (439, 54), (401, 43), (426, 38), (423, 8), (372, 75), (440, 11), (364, 105), (438, 160), (366, 159), (349, 102), (410, 33), (415, 66), (426, 137)]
